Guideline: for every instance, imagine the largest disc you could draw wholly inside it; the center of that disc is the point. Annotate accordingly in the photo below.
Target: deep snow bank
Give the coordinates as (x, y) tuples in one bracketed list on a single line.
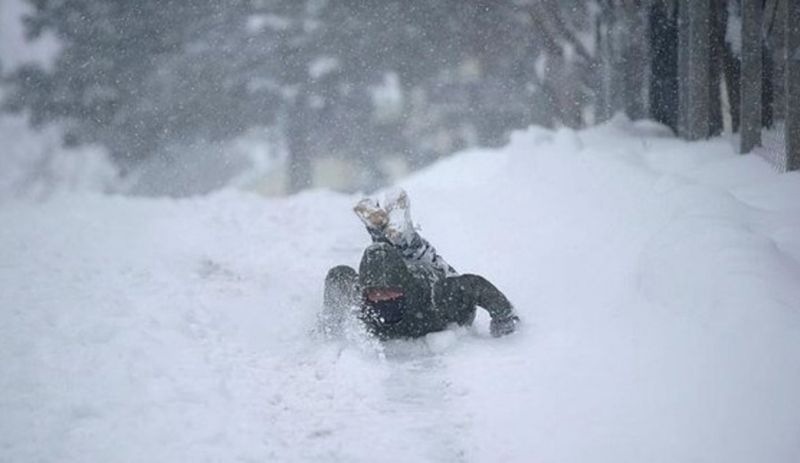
[(659, 282)]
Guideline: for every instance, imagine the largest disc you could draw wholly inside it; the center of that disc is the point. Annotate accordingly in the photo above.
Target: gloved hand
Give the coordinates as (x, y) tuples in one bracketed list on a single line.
[(503, 326)]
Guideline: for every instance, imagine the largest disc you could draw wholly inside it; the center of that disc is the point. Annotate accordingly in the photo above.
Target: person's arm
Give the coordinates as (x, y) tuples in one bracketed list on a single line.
[(483, 293)]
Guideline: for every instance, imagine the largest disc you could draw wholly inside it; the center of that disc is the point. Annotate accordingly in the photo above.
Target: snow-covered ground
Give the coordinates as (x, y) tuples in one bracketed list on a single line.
[(658, 282)]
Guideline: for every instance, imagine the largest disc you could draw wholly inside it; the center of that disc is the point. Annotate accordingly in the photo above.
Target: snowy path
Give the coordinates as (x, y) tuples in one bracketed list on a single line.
[(659, 283)]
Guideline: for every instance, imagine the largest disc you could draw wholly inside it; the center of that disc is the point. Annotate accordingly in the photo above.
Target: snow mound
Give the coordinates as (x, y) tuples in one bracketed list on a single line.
[(657, 281)]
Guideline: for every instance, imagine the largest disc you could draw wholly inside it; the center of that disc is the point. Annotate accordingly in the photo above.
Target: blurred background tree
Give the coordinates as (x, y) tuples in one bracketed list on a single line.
[(391, 80)]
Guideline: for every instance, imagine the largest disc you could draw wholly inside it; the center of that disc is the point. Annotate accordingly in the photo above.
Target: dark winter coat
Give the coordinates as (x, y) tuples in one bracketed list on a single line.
[(431, 300)]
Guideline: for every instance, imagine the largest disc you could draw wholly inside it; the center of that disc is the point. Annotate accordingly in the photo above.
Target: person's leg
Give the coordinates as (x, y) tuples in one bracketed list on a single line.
[(392, 224), (340, 294)]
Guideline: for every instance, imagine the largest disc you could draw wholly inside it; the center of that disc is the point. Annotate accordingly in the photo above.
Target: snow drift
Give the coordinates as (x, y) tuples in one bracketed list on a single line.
[(658, 282)]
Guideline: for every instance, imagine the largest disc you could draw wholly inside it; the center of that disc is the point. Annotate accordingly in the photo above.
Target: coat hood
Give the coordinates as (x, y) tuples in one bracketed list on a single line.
[(382, 266)]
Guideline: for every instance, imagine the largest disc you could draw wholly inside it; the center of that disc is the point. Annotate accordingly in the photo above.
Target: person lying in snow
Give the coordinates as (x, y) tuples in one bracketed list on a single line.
[(403, 288)]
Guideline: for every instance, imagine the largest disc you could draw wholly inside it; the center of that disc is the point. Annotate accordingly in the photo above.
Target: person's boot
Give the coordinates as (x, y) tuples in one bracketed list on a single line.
[(372, 215), (392, 224), (399, 229)]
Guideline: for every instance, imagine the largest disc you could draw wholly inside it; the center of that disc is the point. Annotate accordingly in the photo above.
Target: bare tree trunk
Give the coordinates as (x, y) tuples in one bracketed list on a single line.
[(299, 146), (792, 85), (663, 38), (569, 100), (751, 94), (633, 61), (547, 18), (602, 109), (770, 60), (684, 41), (696, 75), (767, 87), (732, 68), (715, 77)]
